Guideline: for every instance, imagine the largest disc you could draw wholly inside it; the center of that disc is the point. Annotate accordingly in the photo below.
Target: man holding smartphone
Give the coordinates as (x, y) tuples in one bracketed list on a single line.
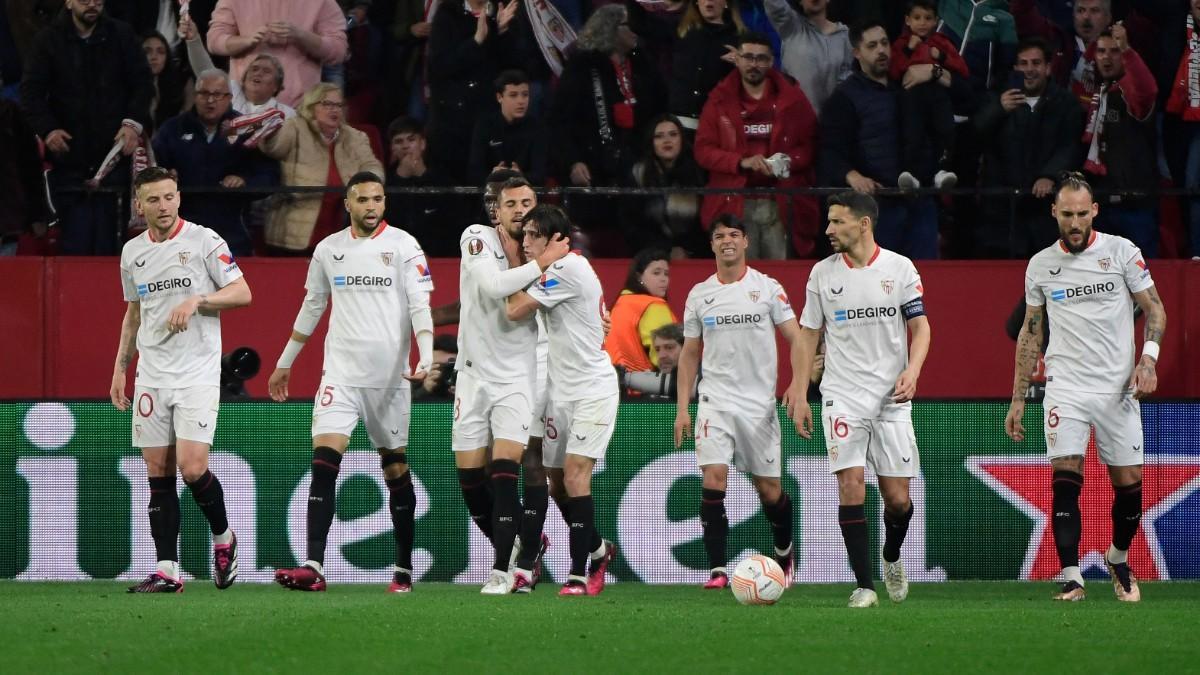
[(1032, 131)]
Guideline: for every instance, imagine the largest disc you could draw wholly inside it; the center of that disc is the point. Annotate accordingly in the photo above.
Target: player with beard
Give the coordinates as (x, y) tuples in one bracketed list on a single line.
[(1086, 285), (496, 366), (380, 283), (868, 300), (176, 275)]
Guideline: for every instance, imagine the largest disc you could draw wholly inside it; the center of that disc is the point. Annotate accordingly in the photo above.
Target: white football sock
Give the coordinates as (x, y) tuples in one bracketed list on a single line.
[(168, 568), (1072, 574), (223, 539), (316, 566), (1116, 556)]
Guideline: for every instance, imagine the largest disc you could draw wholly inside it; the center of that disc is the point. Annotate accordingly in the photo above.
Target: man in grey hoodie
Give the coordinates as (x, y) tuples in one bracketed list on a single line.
[(816, 51)]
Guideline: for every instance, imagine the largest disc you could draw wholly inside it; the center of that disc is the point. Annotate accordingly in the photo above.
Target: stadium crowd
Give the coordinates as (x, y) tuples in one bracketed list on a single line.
[(249, 100)]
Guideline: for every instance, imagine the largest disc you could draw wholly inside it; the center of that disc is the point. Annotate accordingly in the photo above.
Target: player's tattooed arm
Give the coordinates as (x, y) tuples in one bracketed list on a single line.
[(1029, 348), (1145, 378), (126, 349), (1156, 313)]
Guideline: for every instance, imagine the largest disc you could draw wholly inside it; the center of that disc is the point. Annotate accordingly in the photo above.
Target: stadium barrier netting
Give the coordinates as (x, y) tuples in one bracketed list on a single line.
[(73, 497)]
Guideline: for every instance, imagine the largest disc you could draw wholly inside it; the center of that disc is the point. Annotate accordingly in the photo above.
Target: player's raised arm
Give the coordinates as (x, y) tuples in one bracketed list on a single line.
[(689, 363), (1029, 347), (803, 350), (126, 350), (1145, 375)]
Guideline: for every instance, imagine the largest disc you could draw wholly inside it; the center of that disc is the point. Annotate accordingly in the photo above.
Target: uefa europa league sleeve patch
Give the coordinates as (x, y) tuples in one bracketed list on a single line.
[(475, 246)]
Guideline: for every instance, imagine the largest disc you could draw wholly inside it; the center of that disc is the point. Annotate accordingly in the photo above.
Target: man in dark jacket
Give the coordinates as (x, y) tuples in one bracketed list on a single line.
[(512, 137), (23, 208), (860, 143), (192, 145), (1033, 136), (86, 85), (759, 130)]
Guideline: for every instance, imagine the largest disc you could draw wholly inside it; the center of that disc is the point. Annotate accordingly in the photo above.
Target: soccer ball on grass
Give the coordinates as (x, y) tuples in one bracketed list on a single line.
[(757, 580)]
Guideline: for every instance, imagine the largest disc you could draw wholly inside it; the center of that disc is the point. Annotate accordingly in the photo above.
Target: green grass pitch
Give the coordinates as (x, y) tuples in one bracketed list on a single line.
[(953, 627)]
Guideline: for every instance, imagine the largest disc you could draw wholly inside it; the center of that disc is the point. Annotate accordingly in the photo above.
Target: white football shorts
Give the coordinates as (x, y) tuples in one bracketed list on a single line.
[(1069, 416), (162, 415), (887, 446), (750, 442), (484, 411), (384, 411), (578, 428)]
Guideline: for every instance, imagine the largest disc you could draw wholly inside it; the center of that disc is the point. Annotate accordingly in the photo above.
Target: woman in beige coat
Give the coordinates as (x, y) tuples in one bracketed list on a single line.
[(316, 147)]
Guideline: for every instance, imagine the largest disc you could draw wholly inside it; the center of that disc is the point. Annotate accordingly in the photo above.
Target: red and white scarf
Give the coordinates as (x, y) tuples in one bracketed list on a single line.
[(1097, 110), (255, 126), (1185, 94), (554, 35), (141, 158)]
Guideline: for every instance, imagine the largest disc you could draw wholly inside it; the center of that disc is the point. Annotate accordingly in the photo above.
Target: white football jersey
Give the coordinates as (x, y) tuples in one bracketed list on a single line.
[(491, 347), (736, 321), (193, 260), (1090, 311), (865, 314), (573, 301), (375, 283)]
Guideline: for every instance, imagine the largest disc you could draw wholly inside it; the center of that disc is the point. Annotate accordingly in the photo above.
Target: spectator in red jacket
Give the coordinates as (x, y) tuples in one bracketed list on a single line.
[(926, 111), (1119, 139), (758, 130)]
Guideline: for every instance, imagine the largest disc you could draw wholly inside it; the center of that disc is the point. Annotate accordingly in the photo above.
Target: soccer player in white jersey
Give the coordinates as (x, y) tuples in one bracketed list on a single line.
[(379, 281), (868, 300), (176, 276), (494, 393), (732, 317), (1085, 285), (583, 398)]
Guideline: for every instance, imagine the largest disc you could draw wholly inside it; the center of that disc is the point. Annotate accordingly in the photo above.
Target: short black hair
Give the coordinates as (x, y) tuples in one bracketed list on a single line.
[(514, 182), (362, 177), (513, 77), (549, 220), (726, 220), (859, 204), (153, 174), (1073, 180), (752, 37), (862, 26), (670, 331), (404, 125), (921, 4), (501, 176), (1036, 42), (637, 267)]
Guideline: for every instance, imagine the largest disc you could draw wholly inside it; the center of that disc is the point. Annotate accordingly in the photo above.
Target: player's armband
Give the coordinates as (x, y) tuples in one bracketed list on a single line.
[(913, 308)]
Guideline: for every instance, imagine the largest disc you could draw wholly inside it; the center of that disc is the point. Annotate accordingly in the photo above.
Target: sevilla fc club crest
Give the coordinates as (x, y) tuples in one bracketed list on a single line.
[(1105, 263), (833, 452), (1051, 438), (184, 257), (386, 257), (754, 296), (888, 285)]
